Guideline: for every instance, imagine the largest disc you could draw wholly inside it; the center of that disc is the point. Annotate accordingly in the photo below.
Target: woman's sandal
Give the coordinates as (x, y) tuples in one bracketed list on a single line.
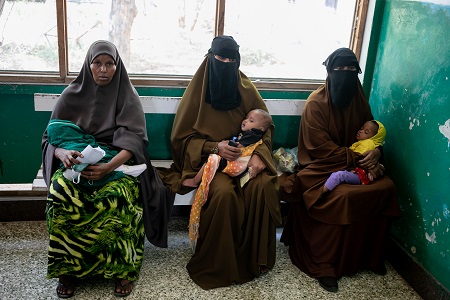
[(67, 285), (123, 287)]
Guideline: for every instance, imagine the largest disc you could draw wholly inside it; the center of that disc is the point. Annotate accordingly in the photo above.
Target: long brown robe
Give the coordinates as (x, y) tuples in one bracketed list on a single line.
[(237, 225), (346, 230)]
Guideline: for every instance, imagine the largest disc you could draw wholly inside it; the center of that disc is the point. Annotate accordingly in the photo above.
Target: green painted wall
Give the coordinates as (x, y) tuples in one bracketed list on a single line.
[(22, 128), (410, 94), (21, 132)]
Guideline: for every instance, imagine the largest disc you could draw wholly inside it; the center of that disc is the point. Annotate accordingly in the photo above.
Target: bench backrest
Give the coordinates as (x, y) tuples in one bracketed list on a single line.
[(160, 113), (169, 105)]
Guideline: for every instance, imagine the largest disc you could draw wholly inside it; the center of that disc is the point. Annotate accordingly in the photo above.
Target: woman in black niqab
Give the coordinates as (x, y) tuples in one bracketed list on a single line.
[(223, 78), (343, 69)]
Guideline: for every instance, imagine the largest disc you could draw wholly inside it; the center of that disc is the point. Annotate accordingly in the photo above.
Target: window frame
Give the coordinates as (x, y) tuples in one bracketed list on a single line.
[(64, 77)]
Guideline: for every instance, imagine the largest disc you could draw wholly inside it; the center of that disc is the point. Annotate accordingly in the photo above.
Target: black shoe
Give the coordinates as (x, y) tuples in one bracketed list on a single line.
[(380, 270), (329, 283)]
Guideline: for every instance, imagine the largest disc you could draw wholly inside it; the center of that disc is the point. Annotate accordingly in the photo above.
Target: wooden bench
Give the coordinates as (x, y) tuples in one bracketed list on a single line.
[(166, 105)]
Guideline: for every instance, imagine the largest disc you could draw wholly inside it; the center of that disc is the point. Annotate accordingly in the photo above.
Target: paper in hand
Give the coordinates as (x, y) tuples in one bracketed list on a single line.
[(90, 156)]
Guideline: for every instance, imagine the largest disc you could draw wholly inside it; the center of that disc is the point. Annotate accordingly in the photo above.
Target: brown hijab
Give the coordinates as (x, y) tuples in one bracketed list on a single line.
[(326, 132), (198, 126), (325, 135)]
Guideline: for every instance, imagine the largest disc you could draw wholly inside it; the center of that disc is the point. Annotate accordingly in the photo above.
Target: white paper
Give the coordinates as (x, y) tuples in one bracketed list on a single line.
[(132, 170), (91, 155)]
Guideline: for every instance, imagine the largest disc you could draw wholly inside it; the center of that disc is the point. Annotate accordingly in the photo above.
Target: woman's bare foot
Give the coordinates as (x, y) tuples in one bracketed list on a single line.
[(190, 182), (123, 287), (66, 286)]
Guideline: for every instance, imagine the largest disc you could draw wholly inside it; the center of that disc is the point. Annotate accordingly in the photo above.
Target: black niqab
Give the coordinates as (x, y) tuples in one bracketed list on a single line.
[(342, 84), (222, 92)]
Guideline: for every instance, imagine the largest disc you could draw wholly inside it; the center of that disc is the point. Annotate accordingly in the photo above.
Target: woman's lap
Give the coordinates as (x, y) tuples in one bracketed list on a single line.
[(265, 205), (342, 233), (322, 250), (235, 236), (89, 228), (348, 204)]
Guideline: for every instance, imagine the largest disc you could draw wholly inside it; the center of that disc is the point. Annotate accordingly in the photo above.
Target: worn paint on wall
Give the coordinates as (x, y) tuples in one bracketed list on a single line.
[(445, 130), (410, 95)]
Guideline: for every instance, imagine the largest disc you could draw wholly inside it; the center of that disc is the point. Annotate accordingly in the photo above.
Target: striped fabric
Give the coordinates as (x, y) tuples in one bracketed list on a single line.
[(95, 231)]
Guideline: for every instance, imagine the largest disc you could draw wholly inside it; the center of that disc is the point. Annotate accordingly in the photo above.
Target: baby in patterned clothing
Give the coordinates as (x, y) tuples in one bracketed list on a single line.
[(253, 127)]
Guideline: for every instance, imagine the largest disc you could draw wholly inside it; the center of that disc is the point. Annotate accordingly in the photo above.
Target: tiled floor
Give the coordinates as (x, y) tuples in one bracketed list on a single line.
[(23, 250)]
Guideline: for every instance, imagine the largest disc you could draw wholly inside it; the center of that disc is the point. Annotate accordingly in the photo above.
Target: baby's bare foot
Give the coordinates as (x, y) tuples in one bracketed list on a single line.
[(190, 182)]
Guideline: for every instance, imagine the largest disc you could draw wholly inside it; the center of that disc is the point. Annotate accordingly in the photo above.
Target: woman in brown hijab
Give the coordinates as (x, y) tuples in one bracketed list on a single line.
[(97, 226), (237, 224), (344, 231)]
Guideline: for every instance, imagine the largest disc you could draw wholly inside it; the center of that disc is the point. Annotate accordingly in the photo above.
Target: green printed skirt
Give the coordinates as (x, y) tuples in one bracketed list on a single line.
[(95, 231)]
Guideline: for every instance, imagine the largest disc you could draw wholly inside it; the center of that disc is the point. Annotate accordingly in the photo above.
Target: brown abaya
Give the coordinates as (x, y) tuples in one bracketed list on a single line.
[(237, 225), (345, 230)]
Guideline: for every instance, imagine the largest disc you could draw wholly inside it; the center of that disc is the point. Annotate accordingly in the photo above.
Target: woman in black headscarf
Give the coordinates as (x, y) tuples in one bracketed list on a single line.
[(97, 226), (344, 231), (237, 229)]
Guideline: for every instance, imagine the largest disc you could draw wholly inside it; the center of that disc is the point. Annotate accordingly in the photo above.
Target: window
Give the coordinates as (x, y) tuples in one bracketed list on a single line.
[(163, 42), (160, 37), (28, 36), (288, 39)]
